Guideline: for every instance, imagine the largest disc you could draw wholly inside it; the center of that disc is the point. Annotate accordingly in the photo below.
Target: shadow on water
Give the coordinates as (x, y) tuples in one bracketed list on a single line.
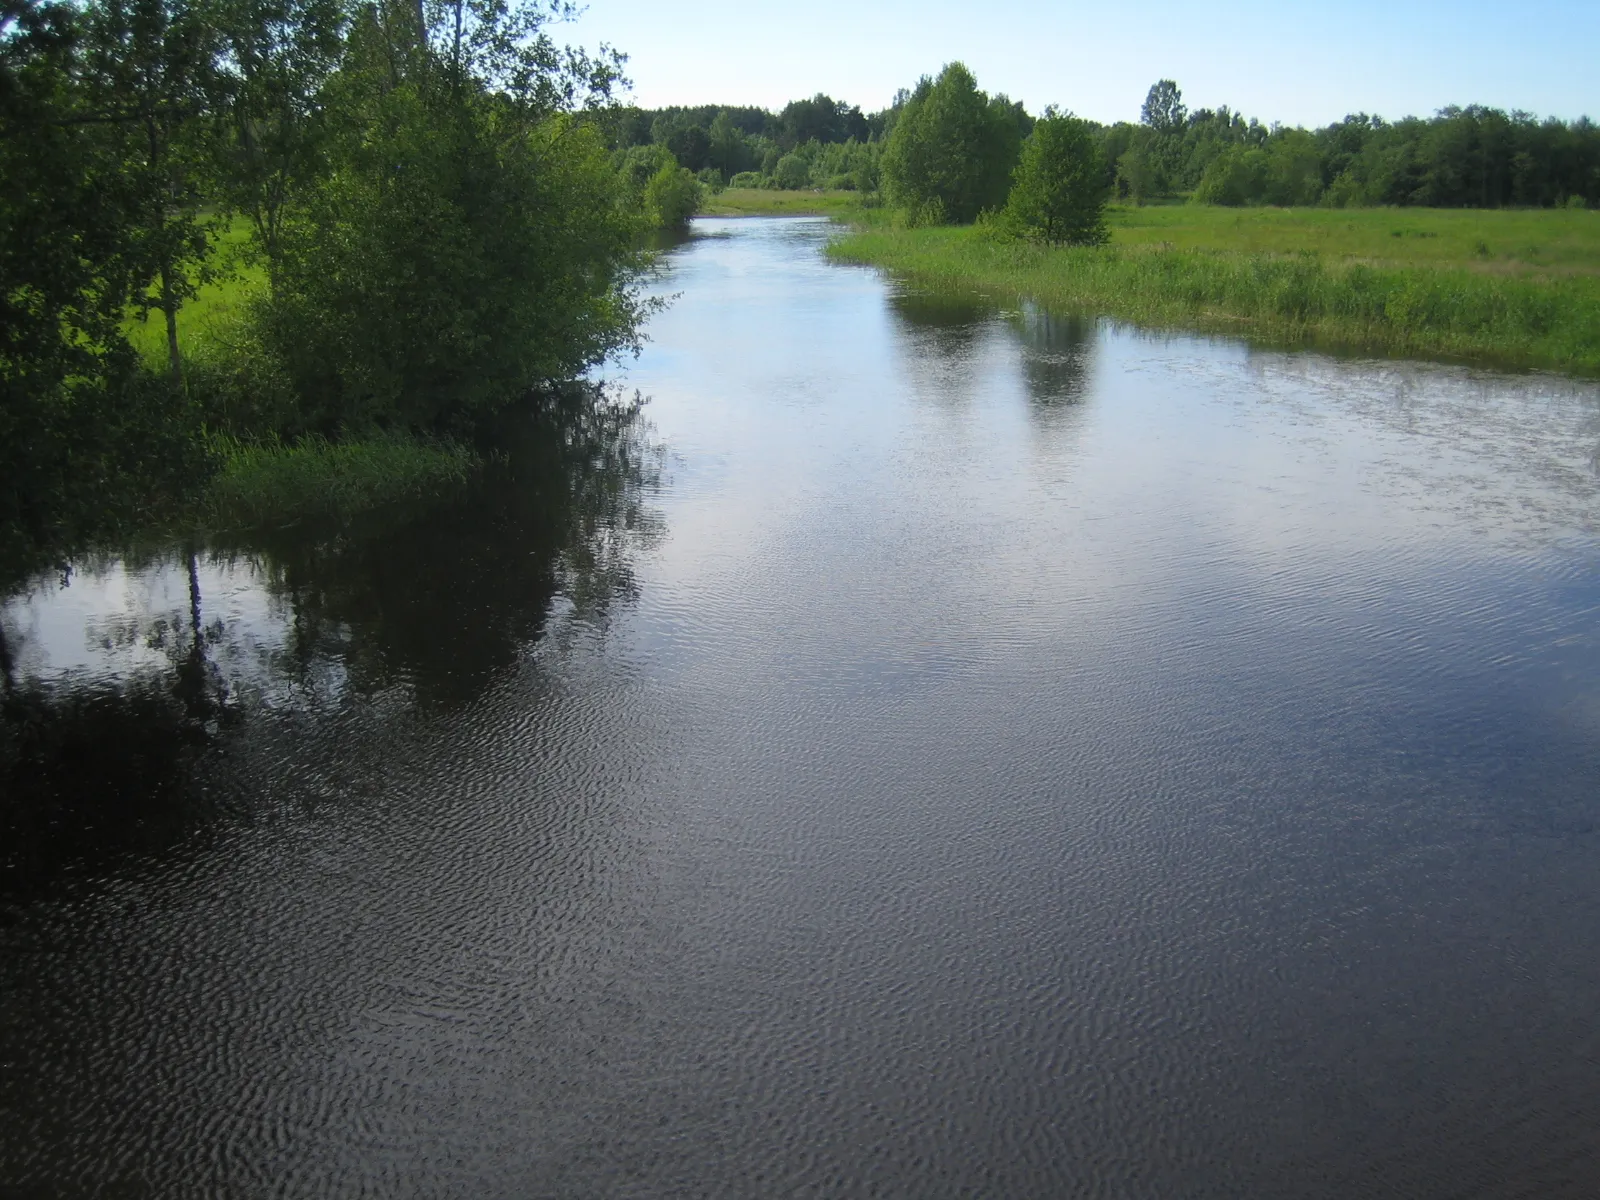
[(106, 767)]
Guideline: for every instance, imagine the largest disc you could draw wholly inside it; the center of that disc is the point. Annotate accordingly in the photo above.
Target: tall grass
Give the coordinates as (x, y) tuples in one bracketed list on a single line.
[(1499, 241), (1413, 310), (270, 482)]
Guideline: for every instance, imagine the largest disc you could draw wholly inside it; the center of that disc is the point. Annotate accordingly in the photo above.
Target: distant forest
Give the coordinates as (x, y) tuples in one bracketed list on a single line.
[(1472, 157)]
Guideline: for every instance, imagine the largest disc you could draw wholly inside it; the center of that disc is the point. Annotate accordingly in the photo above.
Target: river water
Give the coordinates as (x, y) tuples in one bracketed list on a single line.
[(940, 749)]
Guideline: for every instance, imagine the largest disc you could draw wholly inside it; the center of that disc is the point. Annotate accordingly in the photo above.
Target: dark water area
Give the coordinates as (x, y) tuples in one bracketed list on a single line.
[(939, 749)]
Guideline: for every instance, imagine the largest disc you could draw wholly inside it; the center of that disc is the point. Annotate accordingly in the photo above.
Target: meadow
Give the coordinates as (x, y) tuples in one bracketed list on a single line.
[(1513, 288), (1515, 241), (765, 202)]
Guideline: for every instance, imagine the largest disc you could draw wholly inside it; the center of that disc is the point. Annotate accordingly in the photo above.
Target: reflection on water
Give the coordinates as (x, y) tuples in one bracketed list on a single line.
[(121, 710), (1058, 355), (1006, 755)]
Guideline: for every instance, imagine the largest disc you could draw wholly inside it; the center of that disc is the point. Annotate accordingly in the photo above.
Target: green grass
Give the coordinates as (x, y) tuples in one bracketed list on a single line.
[(1500, 241), (216, 305), (760, 202), (271, 483), (1294, 278)]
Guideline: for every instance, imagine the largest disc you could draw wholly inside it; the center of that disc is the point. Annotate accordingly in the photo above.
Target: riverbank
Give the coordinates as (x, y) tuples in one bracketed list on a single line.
[(1252, 273), (273, 483), (764, 202), (268, 481)]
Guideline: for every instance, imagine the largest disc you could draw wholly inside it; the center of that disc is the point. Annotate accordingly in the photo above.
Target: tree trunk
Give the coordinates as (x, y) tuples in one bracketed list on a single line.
[(169, 309)]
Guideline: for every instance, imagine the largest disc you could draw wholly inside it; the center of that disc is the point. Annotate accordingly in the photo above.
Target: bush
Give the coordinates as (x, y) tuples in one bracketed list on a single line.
[(792, 173), (672, 196), (747, 179)]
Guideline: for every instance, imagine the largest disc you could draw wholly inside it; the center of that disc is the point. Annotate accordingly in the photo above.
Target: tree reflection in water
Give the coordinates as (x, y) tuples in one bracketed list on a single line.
[(104, 769), (1058, 355)]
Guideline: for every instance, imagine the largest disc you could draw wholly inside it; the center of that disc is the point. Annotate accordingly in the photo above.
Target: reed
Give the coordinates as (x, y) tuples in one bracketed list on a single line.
[(266, 482)]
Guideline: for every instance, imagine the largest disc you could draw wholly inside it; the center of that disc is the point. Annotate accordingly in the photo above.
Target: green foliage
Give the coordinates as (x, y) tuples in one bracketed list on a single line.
[(1286, 171), (951, 151), (662, 194), (791, 173), (672, 196), (1461, 157), (88, 443), (278, 54), (1059, 191), (454, 257), (436, 229), (1163, 109)]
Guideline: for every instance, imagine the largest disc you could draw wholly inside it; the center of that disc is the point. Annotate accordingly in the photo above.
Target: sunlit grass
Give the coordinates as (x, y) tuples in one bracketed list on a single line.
[(1447, 310), (218, 304), (1516, 241), (760, 202)]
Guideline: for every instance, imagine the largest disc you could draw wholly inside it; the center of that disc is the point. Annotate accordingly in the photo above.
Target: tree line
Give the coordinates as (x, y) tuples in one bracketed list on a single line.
[(1472, 157), (425, 191)]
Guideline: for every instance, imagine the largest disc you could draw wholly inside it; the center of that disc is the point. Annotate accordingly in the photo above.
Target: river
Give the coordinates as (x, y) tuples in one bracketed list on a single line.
[(938, 749)]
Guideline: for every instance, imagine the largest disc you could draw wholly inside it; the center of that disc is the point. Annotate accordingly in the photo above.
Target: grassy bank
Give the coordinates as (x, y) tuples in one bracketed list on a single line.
[(1256, 274), (761, 202), (274, 483)]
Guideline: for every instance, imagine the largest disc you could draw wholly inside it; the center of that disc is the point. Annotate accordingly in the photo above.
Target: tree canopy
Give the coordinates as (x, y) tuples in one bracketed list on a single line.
[(952, 148), (1059, 191)]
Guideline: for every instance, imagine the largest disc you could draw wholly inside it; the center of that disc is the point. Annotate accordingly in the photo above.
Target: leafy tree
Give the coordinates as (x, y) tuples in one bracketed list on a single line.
[(466, 241), (1139, 173), (691, 146), (149, 71), (820, 119), (1059, 191), (277, 55), (951, 151), (1236, 177), (729, 151), (1163, 108), (672, 196), (85, 443)]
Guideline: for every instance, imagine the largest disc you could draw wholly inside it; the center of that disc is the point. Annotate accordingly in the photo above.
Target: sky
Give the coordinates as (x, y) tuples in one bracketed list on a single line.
[(1301, 64)]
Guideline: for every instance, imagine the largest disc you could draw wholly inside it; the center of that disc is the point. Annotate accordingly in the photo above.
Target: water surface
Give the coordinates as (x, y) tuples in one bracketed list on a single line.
[(949, 750)]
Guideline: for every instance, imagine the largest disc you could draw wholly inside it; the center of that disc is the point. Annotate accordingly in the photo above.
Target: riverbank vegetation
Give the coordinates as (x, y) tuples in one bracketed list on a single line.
[(242, 240), (764, 202), (981, 196), (1452, 309)]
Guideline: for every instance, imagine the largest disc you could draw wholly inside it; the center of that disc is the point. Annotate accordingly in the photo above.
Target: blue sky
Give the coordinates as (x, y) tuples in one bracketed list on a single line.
[(1301, 64)]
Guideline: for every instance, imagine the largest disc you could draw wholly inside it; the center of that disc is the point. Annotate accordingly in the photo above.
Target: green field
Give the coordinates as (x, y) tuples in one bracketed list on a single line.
[(1517, 288), (762, 202), (1519, 241)]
